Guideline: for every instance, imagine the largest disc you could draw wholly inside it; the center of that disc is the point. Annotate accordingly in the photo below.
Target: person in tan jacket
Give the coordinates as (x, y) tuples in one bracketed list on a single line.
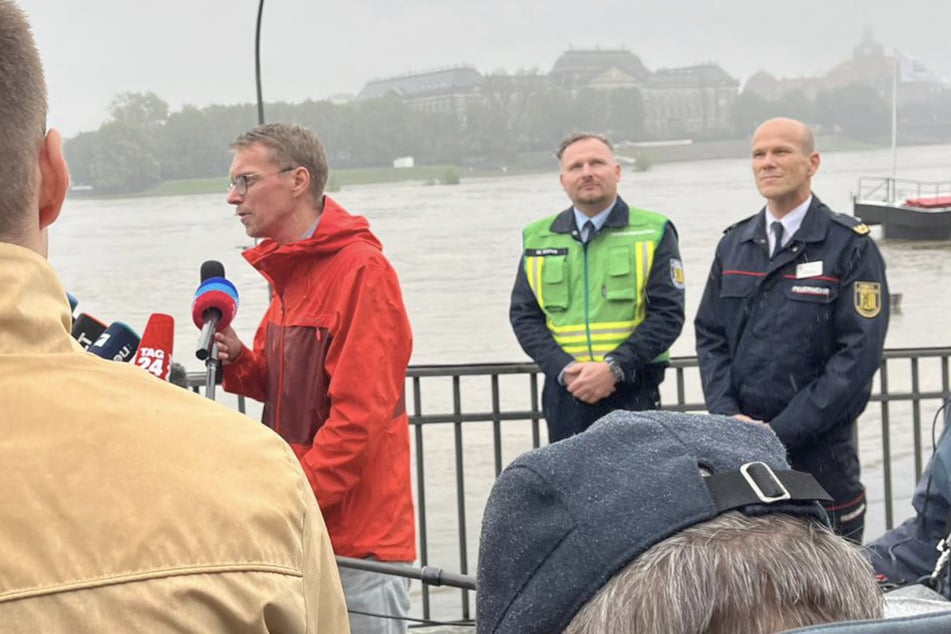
[(127, 504)]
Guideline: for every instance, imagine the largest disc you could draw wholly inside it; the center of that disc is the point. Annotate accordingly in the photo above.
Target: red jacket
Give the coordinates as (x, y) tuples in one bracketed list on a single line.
[(329, 363)]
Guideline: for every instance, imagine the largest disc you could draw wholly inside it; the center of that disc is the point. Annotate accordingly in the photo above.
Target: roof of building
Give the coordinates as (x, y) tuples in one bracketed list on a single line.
[(692, 76), (585, 64), (459, 78)]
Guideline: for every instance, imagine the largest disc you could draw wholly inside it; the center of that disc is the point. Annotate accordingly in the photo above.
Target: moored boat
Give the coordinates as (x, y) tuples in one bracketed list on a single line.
[(906, 209)]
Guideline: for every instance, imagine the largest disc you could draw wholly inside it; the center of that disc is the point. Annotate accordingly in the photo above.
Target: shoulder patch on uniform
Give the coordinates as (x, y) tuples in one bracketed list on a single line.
[(867, 299), (861, 229), (677, 277)]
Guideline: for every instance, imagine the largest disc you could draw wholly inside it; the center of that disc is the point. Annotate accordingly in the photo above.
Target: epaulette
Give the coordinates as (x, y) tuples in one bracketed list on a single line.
[(853, 223), (739, 222)]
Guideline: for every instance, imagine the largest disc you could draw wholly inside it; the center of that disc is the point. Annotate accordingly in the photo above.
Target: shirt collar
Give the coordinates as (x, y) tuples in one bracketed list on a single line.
[(310, 232), (791, 221), (598, 219)]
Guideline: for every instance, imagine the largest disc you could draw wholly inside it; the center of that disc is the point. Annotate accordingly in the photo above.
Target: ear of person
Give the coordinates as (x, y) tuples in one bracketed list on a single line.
[(54, 178)]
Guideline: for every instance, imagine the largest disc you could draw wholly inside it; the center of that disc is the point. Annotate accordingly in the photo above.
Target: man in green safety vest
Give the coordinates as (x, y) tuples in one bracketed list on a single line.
[(599, 295)]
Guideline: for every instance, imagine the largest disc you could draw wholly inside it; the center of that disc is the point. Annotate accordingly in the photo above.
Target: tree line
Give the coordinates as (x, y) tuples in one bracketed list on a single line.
[(518, 121)]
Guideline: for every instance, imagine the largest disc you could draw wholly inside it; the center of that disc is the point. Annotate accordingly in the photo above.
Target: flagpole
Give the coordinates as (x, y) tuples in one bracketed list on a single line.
[(895, 117)]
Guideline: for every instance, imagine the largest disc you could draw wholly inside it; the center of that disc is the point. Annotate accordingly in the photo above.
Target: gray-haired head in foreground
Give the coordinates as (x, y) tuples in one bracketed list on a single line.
[(291, 145), (562, 520), (736, 573)]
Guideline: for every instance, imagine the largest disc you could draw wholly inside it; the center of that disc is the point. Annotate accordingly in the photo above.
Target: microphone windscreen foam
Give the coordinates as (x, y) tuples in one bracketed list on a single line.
[(86, 329), (155, 350), (218, 294), (212, 268), (118, 342)]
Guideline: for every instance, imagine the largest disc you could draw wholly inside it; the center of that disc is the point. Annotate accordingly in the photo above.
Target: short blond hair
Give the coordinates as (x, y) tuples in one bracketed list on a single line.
[(574, 137), (23, 118), (291, 145)]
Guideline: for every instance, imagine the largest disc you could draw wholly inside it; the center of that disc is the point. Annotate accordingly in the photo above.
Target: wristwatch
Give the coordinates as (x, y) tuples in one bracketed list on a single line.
[(615, 367)]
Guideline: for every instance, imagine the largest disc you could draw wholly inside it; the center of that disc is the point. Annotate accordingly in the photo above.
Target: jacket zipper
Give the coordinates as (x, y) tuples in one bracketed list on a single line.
[(587, 306)]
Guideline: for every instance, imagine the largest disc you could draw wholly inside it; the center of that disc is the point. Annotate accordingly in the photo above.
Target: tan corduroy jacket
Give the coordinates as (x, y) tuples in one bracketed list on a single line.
[(131, 505)]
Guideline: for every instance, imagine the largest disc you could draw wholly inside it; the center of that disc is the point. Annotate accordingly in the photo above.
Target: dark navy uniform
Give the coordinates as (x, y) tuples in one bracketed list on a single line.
[(795, 341)]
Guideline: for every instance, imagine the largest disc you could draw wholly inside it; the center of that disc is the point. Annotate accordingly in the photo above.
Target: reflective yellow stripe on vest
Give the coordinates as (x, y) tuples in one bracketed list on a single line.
[(593, 300), (533, 269), (605, 337)]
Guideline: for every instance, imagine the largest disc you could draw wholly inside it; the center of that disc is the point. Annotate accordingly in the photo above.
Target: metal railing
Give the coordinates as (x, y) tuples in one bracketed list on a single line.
[(887, 189), (469, 421)]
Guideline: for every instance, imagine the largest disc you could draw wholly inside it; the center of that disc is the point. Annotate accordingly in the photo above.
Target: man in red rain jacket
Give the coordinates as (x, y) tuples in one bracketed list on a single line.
[(329, 358)]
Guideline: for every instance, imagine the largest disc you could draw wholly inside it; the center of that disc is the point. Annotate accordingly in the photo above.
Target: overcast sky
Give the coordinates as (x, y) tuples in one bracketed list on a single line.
[(202, 51)]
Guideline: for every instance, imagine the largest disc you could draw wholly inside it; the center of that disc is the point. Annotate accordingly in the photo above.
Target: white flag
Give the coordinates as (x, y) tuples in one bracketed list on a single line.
[(911, 69)]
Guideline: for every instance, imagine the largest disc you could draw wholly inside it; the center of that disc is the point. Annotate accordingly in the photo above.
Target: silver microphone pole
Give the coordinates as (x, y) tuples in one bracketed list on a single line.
[(211, 367)]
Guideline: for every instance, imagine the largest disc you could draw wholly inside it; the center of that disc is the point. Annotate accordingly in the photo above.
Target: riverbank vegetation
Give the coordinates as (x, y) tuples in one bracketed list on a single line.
[(339, 179), (146, 148)]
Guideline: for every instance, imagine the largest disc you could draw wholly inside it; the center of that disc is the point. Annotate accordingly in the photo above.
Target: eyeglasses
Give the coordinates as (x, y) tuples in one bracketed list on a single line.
[(241, 183)]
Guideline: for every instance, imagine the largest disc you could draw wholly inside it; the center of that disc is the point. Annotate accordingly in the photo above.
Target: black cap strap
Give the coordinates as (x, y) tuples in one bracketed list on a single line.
[(757, 483)]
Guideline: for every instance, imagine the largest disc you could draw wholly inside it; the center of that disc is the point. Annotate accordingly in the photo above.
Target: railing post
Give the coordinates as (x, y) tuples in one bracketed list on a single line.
[(421, 486), (496, 424), (536, 422), (886, 444), (916, 415), (460, 488)]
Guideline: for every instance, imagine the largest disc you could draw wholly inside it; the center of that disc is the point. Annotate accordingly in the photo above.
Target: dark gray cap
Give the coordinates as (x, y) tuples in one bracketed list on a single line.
[(563, 519)]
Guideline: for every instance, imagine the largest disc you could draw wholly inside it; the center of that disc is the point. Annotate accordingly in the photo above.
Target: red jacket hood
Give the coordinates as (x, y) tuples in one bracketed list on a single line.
[(337, 229)]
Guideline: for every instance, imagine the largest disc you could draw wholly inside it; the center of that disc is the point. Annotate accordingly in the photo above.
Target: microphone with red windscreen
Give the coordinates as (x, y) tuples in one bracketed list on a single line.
[(155, 350), (214, 306)]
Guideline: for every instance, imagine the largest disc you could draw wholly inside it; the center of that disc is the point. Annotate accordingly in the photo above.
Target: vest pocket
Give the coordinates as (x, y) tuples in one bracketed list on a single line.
[(620, 283), (554, 283)]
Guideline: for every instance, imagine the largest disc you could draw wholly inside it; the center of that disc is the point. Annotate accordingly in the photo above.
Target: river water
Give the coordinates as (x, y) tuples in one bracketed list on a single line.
[(456, 250)]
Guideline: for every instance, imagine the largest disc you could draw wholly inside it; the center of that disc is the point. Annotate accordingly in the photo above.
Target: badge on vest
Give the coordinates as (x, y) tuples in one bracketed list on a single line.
[(677, 277), (540, 253), (868, 299)]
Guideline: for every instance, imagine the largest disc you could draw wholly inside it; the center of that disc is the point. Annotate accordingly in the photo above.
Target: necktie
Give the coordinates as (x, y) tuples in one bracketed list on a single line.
[(587, 232), (777, 228)]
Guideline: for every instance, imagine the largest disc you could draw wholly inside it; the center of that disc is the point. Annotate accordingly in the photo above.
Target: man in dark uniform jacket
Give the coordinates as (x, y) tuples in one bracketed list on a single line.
[(792, 322)]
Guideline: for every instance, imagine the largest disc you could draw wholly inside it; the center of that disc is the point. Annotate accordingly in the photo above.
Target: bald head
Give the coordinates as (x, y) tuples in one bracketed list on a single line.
[(784, 162), (791, 128)]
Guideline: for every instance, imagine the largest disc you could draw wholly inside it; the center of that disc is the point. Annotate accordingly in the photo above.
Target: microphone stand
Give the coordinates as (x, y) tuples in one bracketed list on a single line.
[(212, 366)]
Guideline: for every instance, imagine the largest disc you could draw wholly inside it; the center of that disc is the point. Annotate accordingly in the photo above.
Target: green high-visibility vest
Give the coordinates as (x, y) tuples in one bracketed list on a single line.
[(593, 298)]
